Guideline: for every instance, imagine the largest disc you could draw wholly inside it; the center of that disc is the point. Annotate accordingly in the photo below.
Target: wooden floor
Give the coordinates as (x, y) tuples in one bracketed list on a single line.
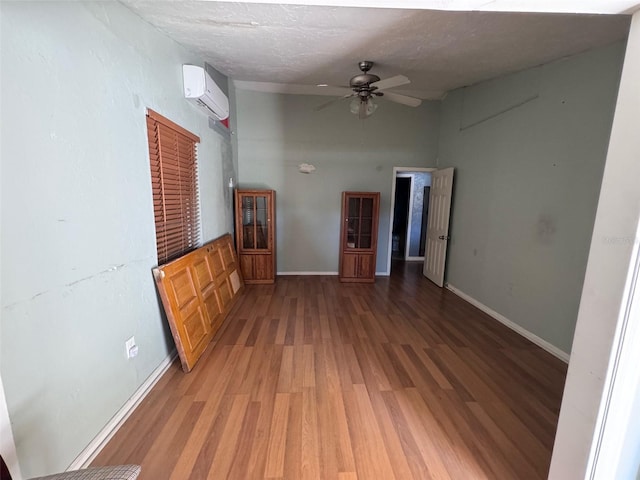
[(314, 379)]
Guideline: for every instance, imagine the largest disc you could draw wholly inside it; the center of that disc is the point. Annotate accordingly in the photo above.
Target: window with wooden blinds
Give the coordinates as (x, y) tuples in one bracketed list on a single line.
[(174, 179)]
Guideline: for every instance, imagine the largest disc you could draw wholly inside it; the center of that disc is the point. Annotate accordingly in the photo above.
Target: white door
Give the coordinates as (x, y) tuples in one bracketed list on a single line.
[(438, 225)]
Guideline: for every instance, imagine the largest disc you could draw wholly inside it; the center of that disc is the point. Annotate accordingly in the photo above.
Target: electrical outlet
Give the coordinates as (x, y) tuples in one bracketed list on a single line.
[(131, 349)]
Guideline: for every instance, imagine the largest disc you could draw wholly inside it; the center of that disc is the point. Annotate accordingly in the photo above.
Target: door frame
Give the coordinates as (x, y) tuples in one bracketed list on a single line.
[(7, 444), (397, 170), (407, 239), (622, 383)]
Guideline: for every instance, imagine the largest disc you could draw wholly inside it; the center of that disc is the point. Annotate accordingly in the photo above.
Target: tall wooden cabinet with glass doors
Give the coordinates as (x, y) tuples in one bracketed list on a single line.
[(359, 236), (255, 235)]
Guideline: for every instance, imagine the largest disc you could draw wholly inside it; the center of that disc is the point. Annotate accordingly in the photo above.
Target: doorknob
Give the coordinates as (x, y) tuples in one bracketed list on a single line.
[(443, 237)]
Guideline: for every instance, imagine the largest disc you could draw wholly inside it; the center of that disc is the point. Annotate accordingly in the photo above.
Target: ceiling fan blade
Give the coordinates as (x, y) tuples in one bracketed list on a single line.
[(322, 106), (391, 82), (403, 99)]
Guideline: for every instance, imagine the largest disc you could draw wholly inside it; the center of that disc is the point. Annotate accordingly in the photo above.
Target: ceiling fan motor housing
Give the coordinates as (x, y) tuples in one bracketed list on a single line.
[(362, 80), (360, 83)]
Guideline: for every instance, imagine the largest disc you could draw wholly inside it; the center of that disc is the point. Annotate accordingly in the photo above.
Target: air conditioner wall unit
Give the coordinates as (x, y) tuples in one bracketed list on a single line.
[(200, 89)]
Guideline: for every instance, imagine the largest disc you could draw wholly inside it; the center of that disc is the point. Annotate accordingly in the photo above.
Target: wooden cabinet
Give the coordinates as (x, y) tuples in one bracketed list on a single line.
[(359, 236), (255, 235)]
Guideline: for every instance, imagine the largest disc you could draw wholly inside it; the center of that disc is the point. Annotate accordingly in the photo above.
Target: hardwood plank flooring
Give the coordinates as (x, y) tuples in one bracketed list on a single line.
[(313, 379)]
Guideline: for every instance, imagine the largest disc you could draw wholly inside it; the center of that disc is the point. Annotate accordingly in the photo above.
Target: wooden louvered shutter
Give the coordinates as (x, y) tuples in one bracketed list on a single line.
[(174, 179)]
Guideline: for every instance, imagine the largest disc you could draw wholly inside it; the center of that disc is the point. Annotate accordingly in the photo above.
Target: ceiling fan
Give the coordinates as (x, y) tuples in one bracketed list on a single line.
[(364, 86)]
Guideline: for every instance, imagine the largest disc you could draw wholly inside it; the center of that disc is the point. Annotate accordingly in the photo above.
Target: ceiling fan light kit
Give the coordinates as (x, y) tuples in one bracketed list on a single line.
[(365, 86), (362, 108)]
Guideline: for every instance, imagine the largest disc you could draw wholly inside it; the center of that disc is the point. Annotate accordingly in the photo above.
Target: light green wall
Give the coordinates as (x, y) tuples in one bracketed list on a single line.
[(278, 132), (77, 231), (529, 151)]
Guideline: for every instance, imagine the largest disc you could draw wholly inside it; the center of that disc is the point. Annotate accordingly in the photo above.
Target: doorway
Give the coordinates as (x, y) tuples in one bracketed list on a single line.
[(401, 218), (409, 213)]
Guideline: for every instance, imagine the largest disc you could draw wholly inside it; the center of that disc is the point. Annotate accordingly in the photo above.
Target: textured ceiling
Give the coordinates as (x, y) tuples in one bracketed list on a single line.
[(309, 45)]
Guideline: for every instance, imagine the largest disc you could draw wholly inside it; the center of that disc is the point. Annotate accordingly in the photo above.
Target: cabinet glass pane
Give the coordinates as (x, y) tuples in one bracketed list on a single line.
[(248, 219), (262, 229), (352, 233), (367, 207), (247, 210), (366, 224), (354, 207), (360, 220)]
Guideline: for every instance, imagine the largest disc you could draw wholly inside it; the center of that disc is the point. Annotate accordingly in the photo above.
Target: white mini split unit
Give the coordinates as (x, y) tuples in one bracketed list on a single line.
[(200, 88)]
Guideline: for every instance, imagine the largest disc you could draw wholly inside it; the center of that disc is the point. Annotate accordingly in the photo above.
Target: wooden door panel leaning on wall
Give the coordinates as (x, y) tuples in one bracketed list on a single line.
[(197, 292)]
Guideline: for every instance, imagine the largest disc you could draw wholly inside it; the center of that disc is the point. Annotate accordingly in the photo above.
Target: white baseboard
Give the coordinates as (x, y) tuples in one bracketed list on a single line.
[(414, 259), (307, 273), (98, 443), (553, 350)]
